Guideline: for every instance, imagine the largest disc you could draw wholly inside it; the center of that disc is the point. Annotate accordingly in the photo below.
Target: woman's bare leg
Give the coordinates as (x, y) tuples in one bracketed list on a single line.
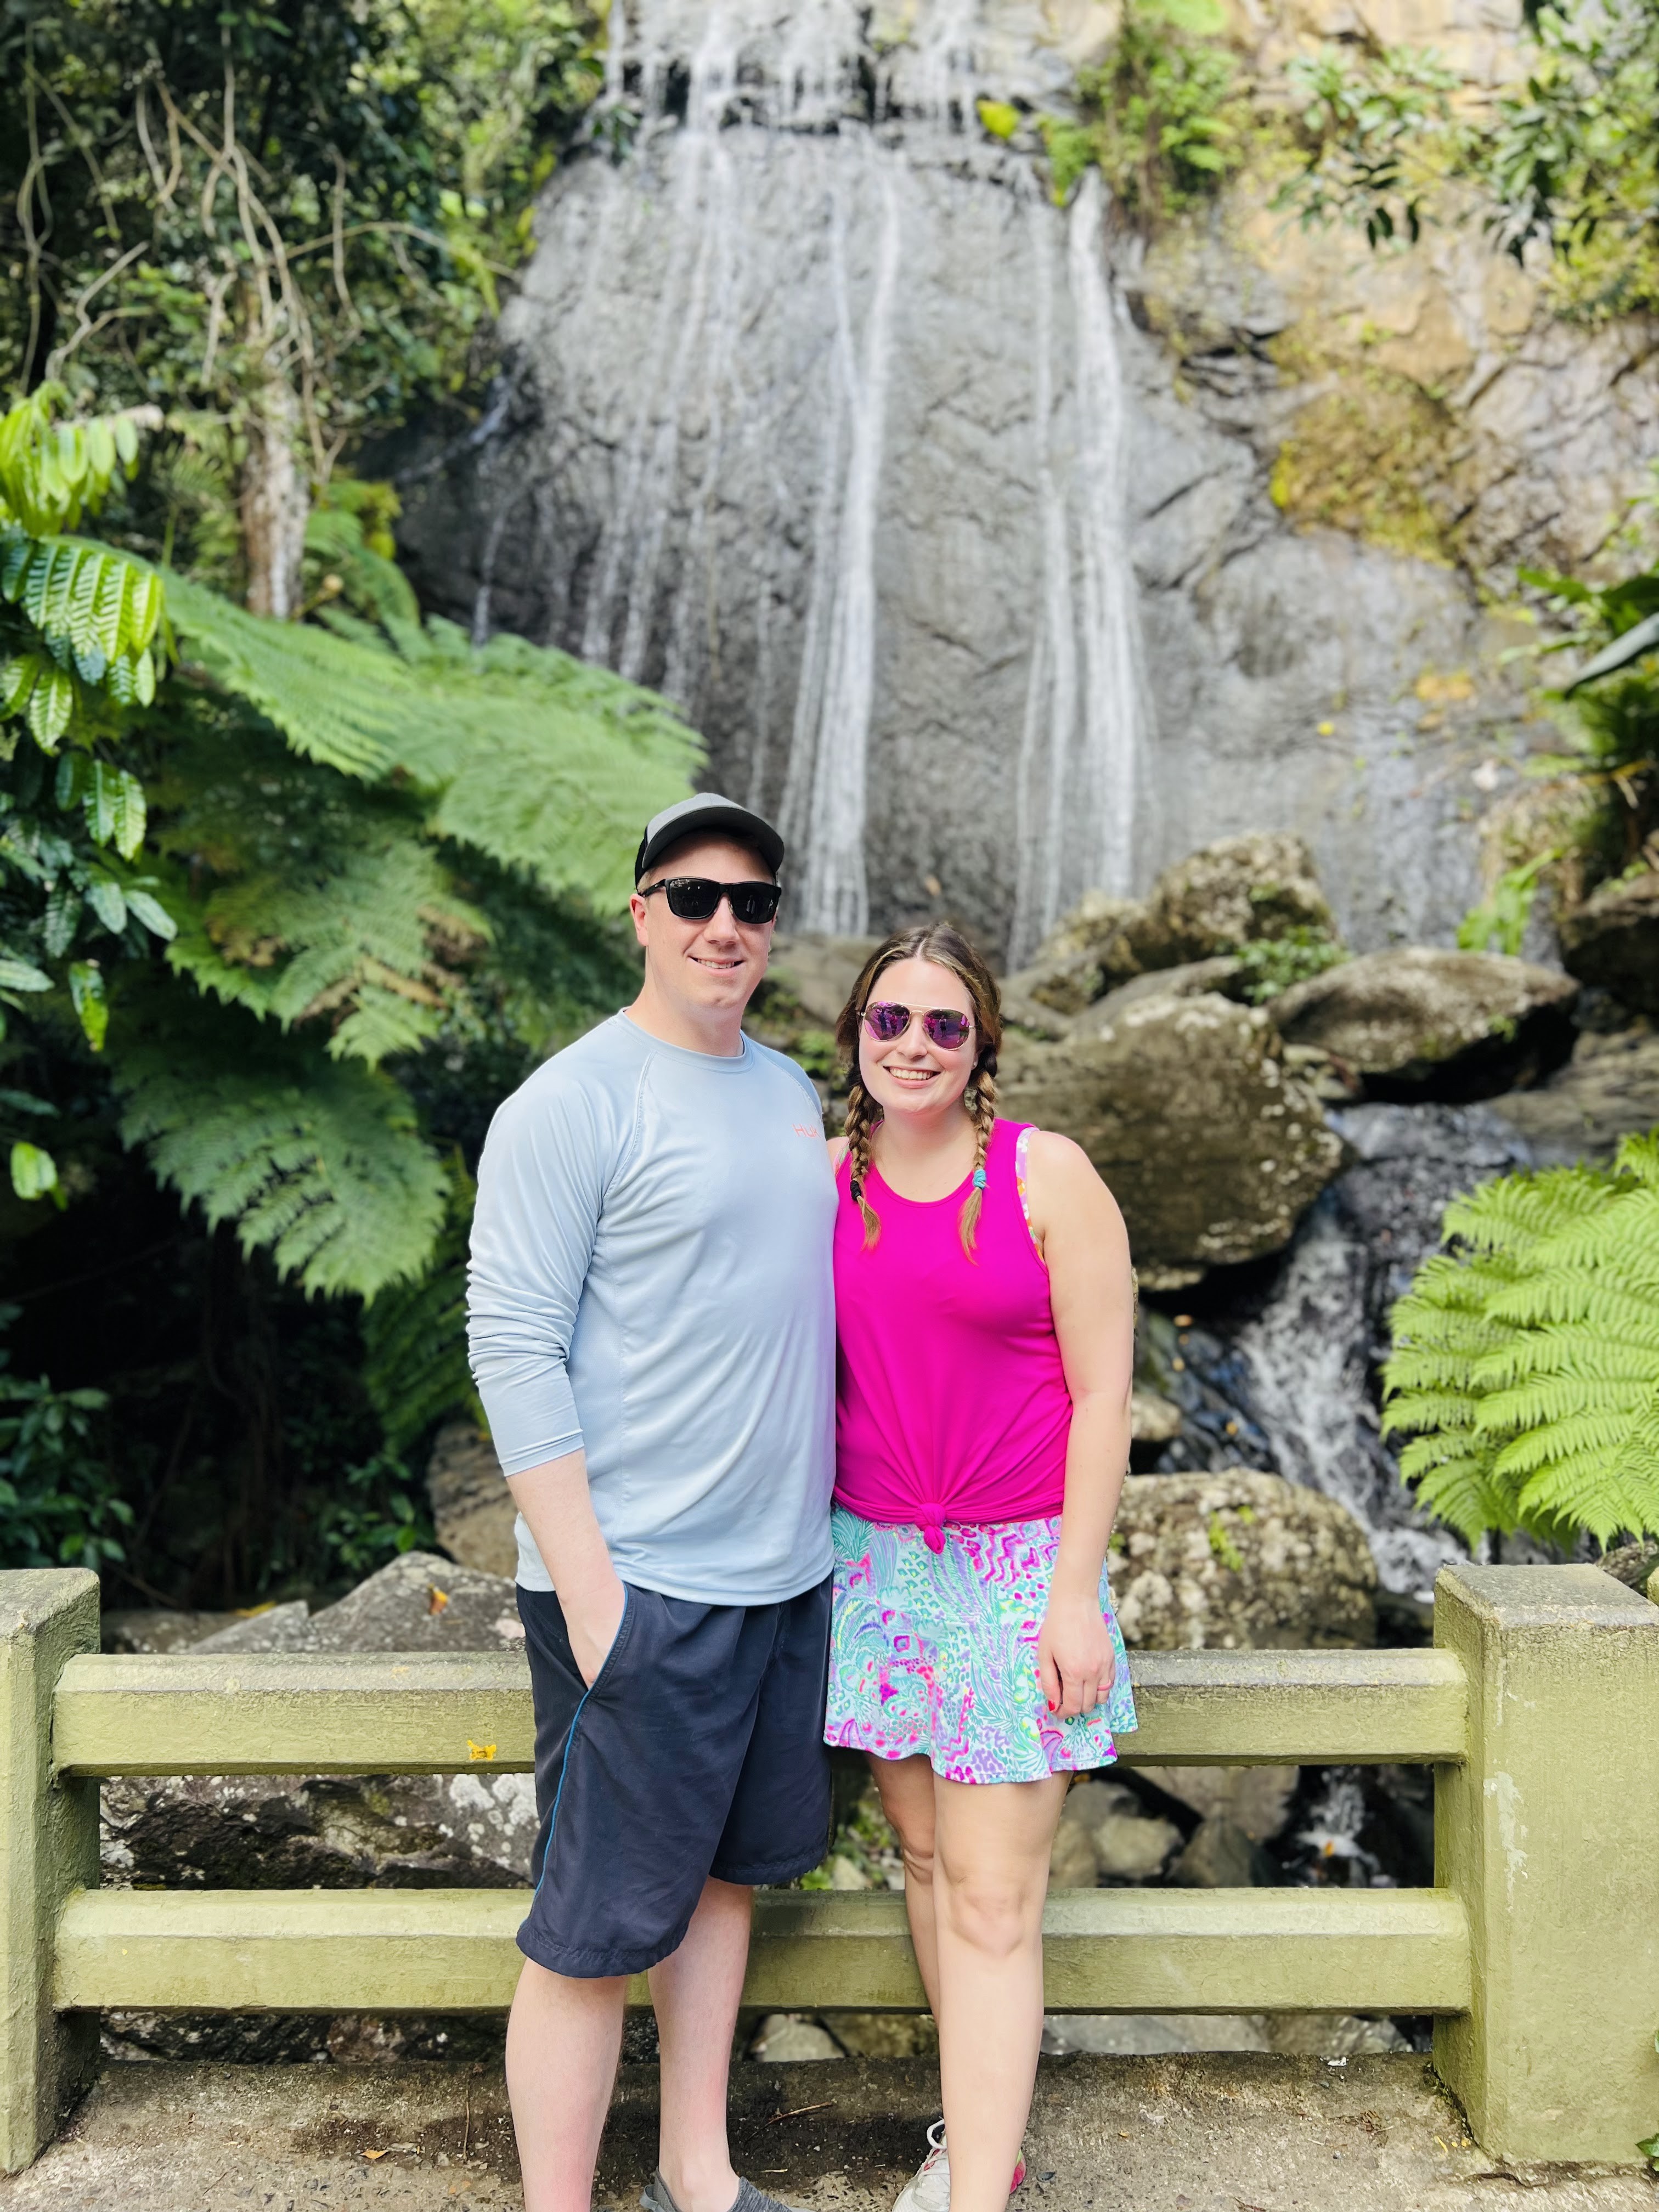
[(990, 1879), (906, 1789)]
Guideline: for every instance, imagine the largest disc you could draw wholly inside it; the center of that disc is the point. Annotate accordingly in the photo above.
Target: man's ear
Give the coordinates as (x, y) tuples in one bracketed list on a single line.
[(639, 909)]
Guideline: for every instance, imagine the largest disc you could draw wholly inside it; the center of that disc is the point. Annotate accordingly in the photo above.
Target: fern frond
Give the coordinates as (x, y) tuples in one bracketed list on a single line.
[(535, 759), (1460, 1492), (414, 1335), (1611, 1498), (318, 1161)]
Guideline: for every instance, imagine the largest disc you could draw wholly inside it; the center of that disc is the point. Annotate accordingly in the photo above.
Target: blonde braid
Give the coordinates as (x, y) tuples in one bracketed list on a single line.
[(859, 1128), (985, 1120)]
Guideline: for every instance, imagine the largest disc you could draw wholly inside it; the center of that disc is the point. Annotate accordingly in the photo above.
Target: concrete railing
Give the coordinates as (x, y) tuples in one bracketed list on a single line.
[(1538, 1709)]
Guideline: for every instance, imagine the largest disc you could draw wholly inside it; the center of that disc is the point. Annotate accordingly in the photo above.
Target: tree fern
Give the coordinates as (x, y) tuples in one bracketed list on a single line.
[(1526, 1361), (319, 1161), (415, 1334), (537, 760)]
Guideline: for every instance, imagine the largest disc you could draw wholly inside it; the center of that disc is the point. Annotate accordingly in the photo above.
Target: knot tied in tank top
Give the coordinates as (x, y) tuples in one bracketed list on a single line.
[(951, 1396)]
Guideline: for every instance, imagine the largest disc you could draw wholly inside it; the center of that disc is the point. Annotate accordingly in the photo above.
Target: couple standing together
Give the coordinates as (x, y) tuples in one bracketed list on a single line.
[(776, 1414)]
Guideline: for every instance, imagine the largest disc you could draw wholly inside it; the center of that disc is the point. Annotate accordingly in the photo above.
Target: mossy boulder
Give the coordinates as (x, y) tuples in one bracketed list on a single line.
[(1239, 1561), (1211, 1145), (1613, 939), (1419, 1022), (1226, 895)]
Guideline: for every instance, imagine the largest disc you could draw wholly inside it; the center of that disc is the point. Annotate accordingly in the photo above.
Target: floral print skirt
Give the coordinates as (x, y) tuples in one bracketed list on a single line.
[(935, 1653)]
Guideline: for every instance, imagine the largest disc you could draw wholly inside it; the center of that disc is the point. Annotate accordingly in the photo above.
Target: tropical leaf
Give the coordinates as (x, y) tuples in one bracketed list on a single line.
[(1526, 1361), (318, 1161), (535, 759), (414, 1335)]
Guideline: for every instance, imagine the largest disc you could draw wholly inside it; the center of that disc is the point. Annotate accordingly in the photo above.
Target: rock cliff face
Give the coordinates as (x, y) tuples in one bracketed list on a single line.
[(1000, 559)]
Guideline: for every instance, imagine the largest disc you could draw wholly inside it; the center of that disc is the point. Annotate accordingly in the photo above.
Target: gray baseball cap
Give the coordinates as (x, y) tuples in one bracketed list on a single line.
[(708, 811)]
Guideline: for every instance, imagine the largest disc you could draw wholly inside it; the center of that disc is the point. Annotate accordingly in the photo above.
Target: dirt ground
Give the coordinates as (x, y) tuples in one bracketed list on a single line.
[(1183, 2133)]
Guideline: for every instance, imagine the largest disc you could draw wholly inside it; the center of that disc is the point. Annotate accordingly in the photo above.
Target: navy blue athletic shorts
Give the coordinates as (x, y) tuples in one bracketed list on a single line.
[(698, 1750)]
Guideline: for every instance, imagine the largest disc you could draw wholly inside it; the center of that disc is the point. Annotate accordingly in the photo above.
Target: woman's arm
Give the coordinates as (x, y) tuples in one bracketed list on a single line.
[(1076, 1224)]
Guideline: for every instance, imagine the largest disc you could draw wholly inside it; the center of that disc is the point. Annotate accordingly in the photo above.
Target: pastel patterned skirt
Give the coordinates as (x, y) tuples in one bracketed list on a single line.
[(935, 1652)]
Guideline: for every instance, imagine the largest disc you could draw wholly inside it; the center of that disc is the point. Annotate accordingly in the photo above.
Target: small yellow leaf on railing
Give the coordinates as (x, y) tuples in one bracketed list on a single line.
[(373, 2154), (436, 1600), (479, 1750)]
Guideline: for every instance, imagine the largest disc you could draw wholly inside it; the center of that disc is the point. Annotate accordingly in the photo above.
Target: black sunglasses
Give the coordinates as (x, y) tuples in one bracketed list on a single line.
[(697, 898)]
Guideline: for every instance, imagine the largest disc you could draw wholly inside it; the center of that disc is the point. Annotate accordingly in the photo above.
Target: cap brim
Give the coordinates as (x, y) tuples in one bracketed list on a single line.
[(734, 822)]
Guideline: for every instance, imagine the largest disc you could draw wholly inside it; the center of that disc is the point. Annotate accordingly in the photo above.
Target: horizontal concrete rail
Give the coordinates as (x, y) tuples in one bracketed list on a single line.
[(1124, 1950), (359, 1713)]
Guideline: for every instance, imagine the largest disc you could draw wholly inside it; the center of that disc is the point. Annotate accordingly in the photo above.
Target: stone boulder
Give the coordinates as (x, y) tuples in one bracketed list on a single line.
[(472, 1509), (256, 1832), (1422, 1023), (1239, 1561), (1211, 1145), (1105, 1835), (818, 972), (418, 1603), (1608, 1089), (1084, 955), (1612, 940), (1227, 895)]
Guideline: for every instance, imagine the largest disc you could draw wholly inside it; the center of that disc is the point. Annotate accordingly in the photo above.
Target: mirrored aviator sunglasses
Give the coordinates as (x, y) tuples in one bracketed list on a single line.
[(947, 1028), (696, 898)]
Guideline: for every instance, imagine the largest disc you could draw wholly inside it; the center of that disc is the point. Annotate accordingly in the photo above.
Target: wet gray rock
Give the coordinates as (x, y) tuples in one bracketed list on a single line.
[(1236, 1560), (818, 972), (1082, 956), (1608, 1089), (257, 1832), (420, 1602), (1422, 1023), (160, 1628), (1218, 1855), (1212, 1147), (1226, 895), (1613, 939), (1105, 1835), (273, 1628), (1256, 1799), (472, 1509), (1191, 979)]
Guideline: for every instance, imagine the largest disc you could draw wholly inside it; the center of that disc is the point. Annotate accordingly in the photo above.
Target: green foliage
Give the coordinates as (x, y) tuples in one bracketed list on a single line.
[(319, 1160), (1269, 965), (1164, 117), (414, 1335), (201, 202), (308, 794), (1373, 128), (1568, 156), (378, 1518), (57, 1502), (1498, 923), (1526, 1361), (534, 758)]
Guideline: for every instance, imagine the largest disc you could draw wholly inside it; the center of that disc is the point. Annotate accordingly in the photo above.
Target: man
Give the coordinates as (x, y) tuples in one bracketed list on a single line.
[(653, 1335)]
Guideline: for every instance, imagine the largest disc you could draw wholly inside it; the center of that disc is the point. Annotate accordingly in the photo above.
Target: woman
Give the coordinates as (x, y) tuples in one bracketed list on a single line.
[(985, 1314)]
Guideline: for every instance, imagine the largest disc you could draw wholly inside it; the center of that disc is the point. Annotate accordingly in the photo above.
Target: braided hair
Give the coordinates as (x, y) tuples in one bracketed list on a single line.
[(945, 947)]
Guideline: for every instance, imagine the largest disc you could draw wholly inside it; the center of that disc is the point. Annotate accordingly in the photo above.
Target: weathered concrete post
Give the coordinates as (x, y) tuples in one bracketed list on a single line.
[(48, 1847), (1549, 1835)]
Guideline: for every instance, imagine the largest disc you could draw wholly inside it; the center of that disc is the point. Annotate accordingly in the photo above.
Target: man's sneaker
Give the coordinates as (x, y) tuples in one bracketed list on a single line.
[(929, 2189), (656, 2199)]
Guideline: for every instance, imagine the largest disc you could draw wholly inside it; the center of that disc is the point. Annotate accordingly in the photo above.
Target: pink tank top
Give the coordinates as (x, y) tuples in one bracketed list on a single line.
[(950, 1398)]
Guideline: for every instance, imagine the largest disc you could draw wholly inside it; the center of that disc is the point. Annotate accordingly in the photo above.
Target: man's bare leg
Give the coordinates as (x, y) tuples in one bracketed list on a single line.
[(563, 2039), (696, 1991)]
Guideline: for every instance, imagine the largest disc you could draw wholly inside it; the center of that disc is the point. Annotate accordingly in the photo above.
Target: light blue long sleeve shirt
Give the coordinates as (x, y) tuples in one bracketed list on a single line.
[(651, 1283)]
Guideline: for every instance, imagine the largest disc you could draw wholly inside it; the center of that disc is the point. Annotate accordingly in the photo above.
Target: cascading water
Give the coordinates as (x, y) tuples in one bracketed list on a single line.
[(768, 487)]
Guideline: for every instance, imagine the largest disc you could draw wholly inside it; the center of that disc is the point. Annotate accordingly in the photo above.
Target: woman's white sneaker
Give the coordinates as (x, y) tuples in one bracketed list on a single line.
[(928, 2188)]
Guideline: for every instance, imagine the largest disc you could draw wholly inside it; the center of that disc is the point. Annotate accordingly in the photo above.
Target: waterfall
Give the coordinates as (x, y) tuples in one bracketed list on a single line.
[(790, 294), (1088, 738), (824, 806)]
